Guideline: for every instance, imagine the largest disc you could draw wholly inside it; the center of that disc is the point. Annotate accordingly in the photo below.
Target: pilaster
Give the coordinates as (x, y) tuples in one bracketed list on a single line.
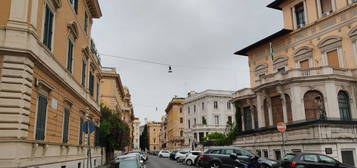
[(332, 109), (260, 111), (297, 105)]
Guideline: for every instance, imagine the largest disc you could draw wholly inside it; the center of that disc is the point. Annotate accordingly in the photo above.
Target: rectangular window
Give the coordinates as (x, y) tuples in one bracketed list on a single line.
[(266, 154), (326, 7), (304, 64), (181, 120), (97, 98), (65, 125), (97, 136), (80, 131), (203, 105), (216, 119), (229, 119), (181, 133), (300, 15), (215, 105), (194, 122), (188, 110), (86, 22), (180, 109), (228, 105), (84, 72), (48, 28), (70, 56), (189, 124), (74, 4), (332, 58), (91, 82), (282, 69), (277, 154), (41, 117)]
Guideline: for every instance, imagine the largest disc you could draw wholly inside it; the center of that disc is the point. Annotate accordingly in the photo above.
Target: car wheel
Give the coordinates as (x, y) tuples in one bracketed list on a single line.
[(160, 156), (189, 162), (215, 165)]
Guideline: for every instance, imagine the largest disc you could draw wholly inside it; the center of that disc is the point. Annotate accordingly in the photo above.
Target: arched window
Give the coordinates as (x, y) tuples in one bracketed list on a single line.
[(314, 104), (344, 105), (277, 109)]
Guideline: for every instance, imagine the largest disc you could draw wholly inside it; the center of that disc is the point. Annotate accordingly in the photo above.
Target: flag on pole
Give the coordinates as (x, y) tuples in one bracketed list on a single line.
[(271, 51)]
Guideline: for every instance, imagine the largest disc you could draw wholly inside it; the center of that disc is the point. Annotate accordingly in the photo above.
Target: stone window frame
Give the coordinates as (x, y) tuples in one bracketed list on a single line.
[(292, 8), (302, 54), (280, 62), (53, 5), (261, 69), (351, 1), (43, 89), (353, 35), (67, 103), (319, 8), (331, 43)]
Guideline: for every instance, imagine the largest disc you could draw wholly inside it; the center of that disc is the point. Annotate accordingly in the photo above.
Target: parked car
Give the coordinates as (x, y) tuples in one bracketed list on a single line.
[(164, 153), (232, 157), (142, 155), (310, 160), (127, 161), (173, 154), (155, 153), (191, 157), (180, 155)]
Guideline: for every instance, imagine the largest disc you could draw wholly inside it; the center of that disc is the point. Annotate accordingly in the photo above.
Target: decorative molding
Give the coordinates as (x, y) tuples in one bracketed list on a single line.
[(57, 3), (353, 33), (261, 69), (303, 53), (330, 42), (73, 29), (281, 61)]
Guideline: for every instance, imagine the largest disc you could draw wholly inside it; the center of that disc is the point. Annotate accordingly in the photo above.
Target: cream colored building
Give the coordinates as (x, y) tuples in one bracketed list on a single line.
[(49, 83), (163, 132), (153, 129), (309, 83), (136, 134), (175, 123), (117, 97)]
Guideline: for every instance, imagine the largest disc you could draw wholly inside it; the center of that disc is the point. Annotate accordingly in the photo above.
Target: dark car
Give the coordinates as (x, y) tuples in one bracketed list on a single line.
[(310, 160), (232, 157), (173, 154)]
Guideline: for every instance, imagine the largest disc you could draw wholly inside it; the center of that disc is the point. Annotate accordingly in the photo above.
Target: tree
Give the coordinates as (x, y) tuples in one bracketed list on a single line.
[(114, 132), (144, 139)]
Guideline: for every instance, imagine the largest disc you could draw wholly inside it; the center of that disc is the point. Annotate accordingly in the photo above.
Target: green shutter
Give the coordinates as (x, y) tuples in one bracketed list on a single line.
[(70, 56), (80, 131), (65, 125), (41, 117), (47, 36), (84, 68), (91, 83)]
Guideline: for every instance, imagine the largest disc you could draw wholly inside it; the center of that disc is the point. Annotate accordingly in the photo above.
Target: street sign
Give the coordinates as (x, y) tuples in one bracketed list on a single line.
[(87, 124), (281, 126)]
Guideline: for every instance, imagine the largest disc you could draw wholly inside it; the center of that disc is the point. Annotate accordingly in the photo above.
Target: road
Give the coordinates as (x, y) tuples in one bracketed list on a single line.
[(156, 162)]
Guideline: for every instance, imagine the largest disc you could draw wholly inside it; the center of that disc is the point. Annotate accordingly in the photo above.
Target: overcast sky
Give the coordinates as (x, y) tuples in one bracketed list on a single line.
[(197, 37)]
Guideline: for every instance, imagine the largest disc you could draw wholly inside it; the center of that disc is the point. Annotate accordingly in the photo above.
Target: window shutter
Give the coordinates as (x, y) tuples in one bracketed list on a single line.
[(41, 117), (76, 5), (65, 125), (80, 131), (84, 68), (50, 19), (70, 56), (45, 30), (91, 83)]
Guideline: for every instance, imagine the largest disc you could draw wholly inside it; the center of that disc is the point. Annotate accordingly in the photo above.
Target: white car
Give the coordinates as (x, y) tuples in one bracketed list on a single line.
[(191, 157), (180, 155), (164, 153)]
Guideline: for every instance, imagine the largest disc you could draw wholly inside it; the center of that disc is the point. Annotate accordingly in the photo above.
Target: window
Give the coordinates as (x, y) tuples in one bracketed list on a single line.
[(215, 151), (266, 154), (180, 109), (189, 124), (215, 105), (299, 13), (74, 4), (79, 165), (181, 120), (230, 119), (41, 117), (48, 28), (97, 98), (181, 133), (188, 110), (204, 122), (344, 105), (282, 69), (91, 82), (228, 105), (194, 121), (70, 56), (332, 58), (194, 108), (216, 119), (228, 151), (154, 140), (325, 7), (65, 125), (304, 64), (277, 154), (84, 72), (309, 158), (326, 159), (203, 105), (80, 131), (86, 22), (259, 153)]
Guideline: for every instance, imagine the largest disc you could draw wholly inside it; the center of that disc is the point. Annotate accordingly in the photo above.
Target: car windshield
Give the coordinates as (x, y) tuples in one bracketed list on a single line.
[(183, 152), (289, 157)]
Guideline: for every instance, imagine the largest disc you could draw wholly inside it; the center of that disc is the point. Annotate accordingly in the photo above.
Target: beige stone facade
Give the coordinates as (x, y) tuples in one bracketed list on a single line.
[(117, 97), (306, 79), (175, 123), (153, 129), (42, 99), (136, 134), (163, 132)]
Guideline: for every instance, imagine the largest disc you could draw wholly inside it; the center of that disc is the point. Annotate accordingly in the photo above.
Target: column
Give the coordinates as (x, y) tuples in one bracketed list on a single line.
[(242, 118), (251, 107), (260, 110), (297, 103), (269, 108), (331, 105), (282, 96)]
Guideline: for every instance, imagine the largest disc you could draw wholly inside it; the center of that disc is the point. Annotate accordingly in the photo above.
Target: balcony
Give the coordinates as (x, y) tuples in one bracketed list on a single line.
[(201, 126), (300, 74)]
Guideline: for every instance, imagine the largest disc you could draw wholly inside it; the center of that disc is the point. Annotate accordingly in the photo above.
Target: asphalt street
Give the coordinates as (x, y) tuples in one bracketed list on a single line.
[(156, 162)]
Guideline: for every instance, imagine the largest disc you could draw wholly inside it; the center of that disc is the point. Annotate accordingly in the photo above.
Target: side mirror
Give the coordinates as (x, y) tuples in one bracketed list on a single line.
[(233, 156)]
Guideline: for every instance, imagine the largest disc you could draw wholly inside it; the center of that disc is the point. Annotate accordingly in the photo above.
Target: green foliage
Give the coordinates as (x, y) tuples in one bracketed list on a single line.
[(114, 132), (214, 136), (144, 139)]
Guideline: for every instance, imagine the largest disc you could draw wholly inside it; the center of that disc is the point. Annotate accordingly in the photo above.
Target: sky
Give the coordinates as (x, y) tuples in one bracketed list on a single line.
[(196, 37)]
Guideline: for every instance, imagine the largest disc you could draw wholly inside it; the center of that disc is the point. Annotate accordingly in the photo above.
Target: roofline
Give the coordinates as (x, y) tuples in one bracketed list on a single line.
[(276, 4), (260, 42)]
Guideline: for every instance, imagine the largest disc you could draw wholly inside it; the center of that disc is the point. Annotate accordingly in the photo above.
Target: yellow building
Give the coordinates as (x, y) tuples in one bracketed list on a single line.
[(305, 76), (153, 129), (117, 97), (175, 124), (49, 82)]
